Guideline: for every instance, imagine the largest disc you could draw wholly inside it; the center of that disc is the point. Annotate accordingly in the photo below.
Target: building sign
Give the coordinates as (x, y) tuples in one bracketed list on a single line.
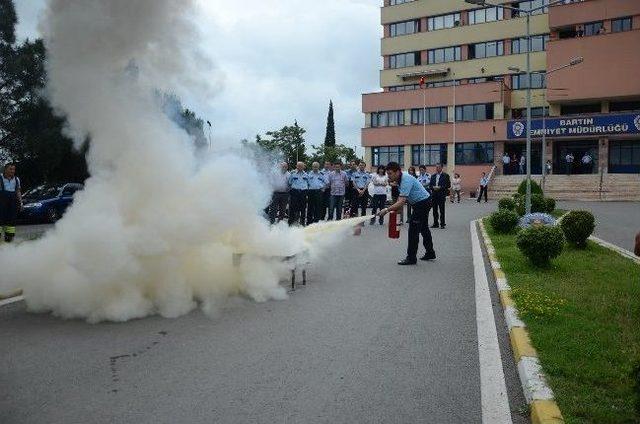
[(577, 126)]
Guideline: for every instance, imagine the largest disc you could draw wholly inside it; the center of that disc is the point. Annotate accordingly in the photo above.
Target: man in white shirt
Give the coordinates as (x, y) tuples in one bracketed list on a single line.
[(523, 162), (587, 163), (10, 201), (506, 161), (484, 184), (569, 161), (280, 198)]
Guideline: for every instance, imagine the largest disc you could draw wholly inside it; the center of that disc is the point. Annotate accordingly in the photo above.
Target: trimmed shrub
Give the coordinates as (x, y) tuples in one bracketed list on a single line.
[(535, 188), (504, 220), (540, 244), (577, 226), (507, 203), (538, 203), (550, 204)]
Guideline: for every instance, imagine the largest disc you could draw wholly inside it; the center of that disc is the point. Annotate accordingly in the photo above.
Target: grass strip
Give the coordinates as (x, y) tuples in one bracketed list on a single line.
[(583, 317)]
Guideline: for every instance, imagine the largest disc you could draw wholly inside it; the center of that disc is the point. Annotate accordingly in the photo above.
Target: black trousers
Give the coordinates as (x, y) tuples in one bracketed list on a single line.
[(8, 214), (278, 206), (326, 201), (314, 206), (439, 201), (378, 205), (419, 225), (360, 202), (483, 189), (297, 203)]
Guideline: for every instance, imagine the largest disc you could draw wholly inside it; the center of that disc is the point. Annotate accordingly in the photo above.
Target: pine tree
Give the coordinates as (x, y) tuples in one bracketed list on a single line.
[(330, 136)]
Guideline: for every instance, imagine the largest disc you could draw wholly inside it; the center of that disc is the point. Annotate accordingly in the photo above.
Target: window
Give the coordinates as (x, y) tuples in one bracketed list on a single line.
[(624, 106), (445, 21), (394, 2), (488, 49), (519, 82), (385, 154), (443, 83), (536, 112), (622, 24), (435, 115), (579, 109), (479, 112), (404, 87), (404, 60), (392, 118), (448, 54), (624, 156), (538, 44), (474, 153), (403, 28), (526, 6), (593, 28), (489, 14), (431, 154)]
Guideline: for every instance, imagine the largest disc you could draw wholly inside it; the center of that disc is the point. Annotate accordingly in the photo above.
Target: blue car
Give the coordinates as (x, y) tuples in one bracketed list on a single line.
[(47, 203)]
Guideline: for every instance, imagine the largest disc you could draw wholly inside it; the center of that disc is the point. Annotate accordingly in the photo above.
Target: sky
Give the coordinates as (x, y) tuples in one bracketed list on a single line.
[(279, 61)]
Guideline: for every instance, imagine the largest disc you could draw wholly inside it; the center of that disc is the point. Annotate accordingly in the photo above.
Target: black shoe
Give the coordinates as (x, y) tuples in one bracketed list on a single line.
[(434, 226), (407, 261), (428, 256), (381, 222), (442, 227)]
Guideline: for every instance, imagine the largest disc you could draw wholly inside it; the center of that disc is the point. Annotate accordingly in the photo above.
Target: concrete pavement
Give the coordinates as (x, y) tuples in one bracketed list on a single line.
[(364, 341)]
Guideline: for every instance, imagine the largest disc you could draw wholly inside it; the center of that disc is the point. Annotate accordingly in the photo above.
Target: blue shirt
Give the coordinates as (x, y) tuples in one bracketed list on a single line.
[(10, 185), (484, 181), (361, 179), (299, 180), (425, 180), (317, 180), (411, 188)]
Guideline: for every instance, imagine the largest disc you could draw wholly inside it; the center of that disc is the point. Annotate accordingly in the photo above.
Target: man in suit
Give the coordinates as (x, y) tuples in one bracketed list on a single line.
[(440, 185)]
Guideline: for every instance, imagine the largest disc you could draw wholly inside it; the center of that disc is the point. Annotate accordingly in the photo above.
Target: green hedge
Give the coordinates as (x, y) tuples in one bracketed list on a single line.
[(540, 244), (577, 226), (504, 221), (535, 188), (507, 203)]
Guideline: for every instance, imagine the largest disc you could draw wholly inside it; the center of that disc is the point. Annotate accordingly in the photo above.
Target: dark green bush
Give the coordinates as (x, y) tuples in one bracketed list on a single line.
[(540, 244), (507, 203), (577, 226), (535, 188), (538, 203), (550, 204), (504, 220)]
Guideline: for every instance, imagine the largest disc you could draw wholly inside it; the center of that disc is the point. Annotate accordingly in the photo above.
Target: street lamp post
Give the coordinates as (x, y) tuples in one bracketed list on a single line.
[(528, 14), (209, 124), (572, 62)]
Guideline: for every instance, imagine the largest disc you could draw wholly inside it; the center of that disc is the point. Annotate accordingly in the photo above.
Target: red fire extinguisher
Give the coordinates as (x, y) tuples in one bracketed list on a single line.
[(394, 231)]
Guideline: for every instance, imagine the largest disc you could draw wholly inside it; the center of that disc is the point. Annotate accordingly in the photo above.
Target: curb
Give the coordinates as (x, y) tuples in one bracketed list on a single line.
[(537, 392), (10, 295), (623, 252)]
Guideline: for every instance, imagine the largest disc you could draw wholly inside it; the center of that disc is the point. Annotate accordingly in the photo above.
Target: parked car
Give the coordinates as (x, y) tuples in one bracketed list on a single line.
[(47, 203)]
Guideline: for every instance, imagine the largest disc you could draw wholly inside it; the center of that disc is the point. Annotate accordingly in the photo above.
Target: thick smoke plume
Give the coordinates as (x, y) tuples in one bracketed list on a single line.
[(156, 226)]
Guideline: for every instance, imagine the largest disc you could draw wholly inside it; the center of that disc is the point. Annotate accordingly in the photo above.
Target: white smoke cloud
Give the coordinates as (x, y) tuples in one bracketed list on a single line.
[(156, 226)]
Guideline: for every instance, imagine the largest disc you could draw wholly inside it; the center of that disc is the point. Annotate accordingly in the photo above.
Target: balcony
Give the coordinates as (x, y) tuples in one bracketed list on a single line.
[(591, 11), (492, 130), (486, 92), (609, 70), (418, 9)]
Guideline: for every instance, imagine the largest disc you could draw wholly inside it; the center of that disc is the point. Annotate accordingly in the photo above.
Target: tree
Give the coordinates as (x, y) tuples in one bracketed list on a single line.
[(288, 141), (330, 135), (183, 117), (339, 152)]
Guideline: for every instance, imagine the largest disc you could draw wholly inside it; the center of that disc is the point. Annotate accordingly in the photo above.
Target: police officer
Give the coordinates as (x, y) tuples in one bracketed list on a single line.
[(326, 193), (360, 179), (424, 178), (317, 184), (299, 184), (10, 201), (350, 192), (418, 197)]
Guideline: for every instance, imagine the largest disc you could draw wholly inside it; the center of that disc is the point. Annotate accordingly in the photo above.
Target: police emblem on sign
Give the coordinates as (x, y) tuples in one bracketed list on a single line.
[(518, 128), (636, 122)]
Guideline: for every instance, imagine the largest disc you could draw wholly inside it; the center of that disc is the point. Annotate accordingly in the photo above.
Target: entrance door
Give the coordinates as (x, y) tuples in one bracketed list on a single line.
[(516, 151), (579, 149)]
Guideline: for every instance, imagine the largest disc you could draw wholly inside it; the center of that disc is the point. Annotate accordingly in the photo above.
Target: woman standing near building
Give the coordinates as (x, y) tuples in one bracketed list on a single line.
[(456, 185), (380, 182)]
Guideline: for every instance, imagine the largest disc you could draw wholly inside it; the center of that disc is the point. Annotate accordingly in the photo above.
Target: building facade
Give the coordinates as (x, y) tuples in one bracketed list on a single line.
[(472, 111)]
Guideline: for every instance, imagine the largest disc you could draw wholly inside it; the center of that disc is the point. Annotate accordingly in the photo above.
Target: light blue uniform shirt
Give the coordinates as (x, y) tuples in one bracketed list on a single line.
[(411, 188), (317, 180), (484, 181), (424, 180), (361, 179), (299, 180), (10, 185)]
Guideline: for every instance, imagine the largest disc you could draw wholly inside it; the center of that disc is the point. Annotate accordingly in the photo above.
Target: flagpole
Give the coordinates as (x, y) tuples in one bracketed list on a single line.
[(424, 121)]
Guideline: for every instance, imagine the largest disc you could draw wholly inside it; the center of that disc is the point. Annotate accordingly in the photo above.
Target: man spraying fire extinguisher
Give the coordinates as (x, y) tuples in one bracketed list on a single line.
[(416, 195)]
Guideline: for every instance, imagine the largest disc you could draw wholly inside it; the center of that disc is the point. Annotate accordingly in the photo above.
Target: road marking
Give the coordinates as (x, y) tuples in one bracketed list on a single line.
[(493, 388), (11, 300)]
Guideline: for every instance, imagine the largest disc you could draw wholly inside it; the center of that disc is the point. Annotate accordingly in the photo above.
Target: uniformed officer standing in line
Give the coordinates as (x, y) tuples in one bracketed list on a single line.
[(350, 191), (317, 184), (299, 184), (361, 180), (10, 201), (418, 197), (326, 193)]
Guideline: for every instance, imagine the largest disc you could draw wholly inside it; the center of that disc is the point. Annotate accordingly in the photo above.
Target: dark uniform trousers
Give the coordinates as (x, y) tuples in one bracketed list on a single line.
[(297, 203), (278, 206), (359, 202), (326, 202), (314, 206), (419, 225), (439, 200), (8, 213), (483, 189)]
